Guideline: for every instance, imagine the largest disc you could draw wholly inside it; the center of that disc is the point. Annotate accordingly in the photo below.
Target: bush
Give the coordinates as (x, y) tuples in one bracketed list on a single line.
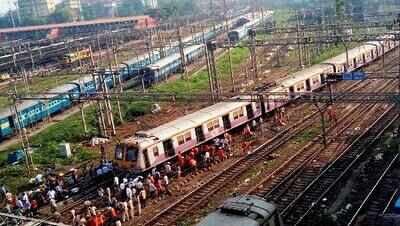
[(136, 109)]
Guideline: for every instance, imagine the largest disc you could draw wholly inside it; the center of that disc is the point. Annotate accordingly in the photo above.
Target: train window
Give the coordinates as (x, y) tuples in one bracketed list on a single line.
[(184, 138), (238, 113), (155, 151), (119, 153), (131, 154), (214, 124)]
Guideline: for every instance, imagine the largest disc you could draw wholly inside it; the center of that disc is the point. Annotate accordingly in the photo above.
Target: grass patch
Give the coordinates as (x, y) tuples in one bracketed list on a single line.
[(198, 82), (14, 177), (331, 52), (307, 135)]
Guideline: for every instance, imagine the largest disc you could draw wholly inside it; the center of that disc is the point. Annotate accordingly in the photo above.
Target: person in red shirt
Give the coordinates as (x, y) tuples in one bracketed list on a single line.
[(221, 154), (34, 207), (181, 160)]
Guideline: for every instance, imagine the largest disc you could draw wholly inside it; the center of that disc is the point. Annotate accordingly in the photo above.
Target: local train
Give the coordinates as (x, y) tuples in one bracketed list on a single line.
[(148, 149), (33, 111), (76, 56), (246, 210)]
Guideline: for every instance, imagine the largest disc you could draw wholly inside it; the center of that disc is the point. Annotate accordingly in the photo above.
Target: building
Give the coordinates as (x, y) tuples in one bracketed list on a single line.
[(35, 8), (110, 6)]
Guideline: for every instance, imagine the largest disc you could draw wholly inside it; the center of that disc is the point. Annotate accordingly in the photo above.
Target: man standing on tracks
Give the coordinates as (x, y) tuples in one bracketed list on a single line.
[(332, 114)]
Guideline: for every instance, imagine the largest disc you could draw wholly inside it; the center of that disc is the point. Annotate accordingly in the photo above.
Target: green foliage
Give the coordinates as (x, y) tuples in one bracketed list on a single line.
[(329, 53), (14, 177), (61, 15), (97, 10), (6, 20), (30, 21), (135, 109), (198, 82), (174, 8)]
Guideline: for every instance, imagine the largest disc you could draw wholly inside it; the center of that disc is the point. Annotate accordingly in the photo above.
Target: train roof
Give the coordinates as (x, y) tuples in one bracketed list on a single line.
[(22, 105), (305, 73), (59, 89), (141, 57), (167, 60), (185, 123), (352, 53), (83, 79), (240, 210)]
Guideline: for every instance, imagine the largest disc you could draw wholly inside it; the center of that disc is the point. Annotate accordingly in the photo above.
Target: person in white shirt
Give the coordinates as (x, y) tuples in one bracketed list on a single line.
[(51, 194), (128, 192)]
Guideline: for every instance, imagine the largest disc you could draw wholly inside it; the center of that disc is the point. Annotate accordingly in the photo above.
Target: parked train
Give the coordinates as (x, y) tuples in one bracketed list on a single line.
[(241, 33), (33, 111), (148, 149), (243, 210), (76, 56)]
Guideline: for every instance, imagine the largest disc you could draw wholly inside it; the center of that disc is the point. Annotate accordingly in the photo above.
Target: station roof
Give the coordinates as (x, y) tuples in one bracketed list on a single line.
[(74, 24)]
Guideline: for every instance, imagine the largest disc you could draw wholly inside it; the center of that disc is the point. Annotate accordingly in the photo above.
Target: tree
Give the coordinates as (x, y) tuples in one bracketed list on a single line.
[(177, 8), (6, 21), (94, 11), (61, 15), (131, 8), (29, 21)]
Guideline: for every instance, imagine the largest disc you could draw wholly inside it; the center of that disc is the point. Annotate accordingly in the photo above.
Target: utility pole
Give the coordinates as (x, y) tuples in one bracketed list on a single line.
[(210, 79), (253, 54), (230, 68), (100, 114), (211, 47), (31, 55), (21, 131), (182, 52), (298, 40), (108, 107)]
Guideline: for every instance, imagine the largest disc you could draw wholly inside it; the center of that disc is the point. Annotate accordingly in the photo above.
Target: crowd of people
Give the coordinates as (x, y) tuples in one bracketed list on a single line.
[(50, 190), (126, 197)]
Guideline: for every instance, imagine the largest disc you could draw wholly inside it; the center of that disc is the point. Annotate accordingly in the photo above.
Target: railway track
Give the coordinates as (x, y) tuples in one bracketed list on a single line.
[(88, 193), (296, 212), (277, 184), (184, 205), (381, 183)]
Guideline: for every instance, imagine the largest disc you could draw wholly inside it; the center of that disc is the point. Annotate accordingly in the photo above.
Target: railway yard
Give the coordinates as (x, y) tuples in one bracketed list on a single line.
[(268, 114)]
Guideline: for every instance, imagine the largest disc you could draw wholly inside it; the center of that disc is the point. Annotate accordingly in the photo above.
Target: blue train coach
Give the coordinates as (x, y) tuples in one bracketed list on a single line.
[(163, 68)]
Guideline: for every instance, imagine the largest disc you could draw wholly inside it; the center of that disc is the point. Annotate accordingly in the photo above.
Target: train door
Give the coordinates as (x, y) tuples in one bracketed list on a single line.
[(146, 158), (168, 148), (363, 58), (308, 85), (372, 54), (250, 112), (226, 121), (355, 62), (199, 134), (323, 80), (291, 92)]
